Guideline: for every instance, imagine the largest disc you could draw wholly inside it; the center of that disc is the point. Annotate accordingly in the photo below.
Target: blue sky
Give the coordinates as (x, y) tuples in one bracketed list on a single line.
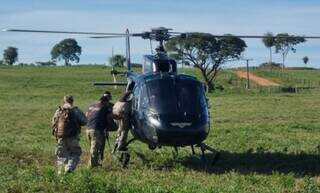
[(217, 17)]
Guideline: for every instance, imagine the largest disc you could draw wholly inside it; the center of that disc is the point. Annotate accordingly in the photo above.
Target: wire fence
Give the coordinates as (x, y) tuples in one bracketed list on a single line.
[(288, 83)]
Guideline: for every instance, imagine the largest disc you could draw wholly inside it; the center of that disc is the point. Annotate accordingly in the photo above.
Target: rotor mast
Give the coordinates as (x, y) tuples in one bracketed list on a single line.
[(160, 34)]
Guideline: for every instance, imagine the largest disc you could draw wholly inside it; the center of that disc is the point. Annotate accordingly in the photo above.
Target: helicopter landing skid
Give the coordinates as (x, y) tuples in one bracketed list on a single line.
[(123, 155), (205, 147)]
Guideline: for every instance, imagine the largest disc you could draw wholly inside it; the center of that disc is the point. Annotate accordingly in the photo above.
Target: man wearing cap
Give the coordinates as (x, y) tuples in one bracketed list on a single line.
[(66, 124), (98, 115)]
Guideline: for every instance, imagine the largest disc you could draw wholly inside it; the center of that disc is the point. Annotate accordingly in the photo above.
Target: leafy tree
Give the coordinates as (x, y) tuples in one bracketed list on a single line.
[(285, 43), (268, 41), (67, 50), (10, 55), (117, 60), (305, 60), (206, 52)]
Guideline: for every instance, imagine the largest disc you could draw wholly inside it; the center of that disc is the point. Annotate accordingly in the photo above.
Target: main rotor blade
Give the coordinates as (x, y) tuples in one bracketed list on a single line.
[(243, 36), (255, 36), (118, 36), (101, 37), (63, 32)]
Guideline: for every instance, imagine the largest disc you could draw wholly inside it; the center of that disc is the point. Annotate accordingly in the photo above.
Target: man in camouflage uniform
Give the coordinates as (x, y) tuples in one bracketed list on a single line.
[(98, 116), (68, 150), (124, 122)]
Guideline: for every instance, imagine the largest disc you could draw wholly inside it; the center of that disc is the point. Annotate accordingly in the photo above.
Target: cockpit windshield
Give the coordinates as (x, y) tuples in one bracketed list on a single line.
[(176, 95)]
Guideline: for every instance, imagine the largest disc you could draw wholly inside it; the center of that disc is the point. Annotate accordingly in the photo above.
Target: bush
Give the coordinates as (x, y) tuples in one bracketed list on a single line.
[(49, 63), (268, 65)]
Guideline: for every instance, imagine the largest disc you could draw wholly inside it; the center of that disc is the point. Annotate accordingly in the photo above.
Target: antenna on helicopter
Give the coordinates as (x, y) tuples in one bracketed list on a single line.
[(128, 50), (113, 69), (151, 47)]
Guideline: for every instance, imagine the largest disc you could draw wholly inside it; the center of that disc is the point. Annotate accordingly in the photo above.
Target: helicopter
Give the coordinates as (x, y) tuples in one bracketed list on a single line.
[(168, 108)]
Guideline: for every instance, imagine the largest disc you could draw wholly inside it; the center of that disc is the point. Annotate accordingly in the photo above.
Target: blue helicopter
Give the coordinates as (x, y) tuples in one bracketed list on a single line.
[(168, 108)]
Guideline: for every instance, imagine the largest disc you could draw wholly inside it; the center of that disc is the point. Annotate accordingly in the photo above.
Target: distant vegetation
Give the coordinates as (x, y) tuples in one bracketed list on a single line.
[(269, 42), (10, 55), (117, 60), (200, 50), (305, 60), (283, 43), (67, 50), (270, 65), (206, 53), (49, 63)]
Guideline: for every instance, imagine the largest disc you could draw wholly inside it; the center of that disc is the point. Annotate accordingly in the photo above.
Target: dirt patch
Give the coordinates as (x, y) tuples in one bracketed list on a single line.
[(257, 79)]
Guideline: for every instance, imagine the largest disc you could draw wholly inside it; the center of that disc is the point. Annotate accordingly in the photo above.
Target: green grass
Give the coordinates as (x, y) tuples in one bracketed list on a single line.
[(268, 142)]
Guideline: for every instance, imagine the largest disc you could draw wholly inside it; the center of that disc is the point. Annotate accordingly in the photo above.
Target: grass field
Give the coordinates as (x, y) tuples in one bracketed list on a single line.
[(268, 142)]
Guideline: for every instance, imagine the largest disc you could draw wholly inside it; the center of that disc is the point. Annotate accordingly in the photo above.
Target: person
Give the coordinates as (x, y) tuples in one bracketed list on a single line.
[(122, 111), (98, 116), (163, 63), (66, 125)]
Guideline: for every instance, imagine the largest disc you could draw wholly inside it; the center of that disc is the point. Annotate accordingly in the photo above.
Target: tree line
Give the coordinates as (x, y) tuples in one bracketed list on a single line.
[(203, 51), (283, 43), (208, 53), (67, 50)]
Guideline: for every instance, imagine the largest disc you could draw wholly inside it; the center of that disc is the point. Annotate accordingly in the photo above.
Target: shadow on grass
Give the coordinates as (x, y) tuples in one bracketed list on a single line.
[(262, 163)]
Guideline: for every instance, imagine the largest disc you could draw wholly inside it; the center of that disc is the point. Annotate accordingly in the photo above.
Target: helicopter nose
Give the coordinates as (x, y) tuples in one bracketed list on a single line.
[(178, 131)]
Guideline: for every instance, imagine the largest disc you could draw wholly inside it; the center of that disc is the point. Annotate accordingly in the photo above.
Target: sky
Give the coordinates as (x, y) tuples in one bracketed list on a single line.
[(241, 17)]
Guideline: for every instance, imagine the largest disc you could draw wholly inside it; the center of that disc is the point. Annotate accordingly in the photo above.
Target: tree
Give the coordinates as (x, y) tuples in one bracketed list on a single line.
[(285, 43), (268, 41), (117, 60), (10, 55), (305, 60), (67, 50), (206, 52)]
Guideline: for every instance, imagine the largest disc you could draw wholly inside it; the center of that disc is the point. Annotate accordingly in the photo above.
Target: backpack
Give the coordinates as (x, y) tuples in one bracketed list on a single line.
[(119, 109), (65, 124)]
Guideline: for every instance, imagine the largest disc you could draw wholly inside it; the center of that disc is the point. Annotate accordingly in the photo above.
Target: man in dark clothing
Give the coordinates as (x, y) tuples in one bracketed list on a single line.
[(97, 125)]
